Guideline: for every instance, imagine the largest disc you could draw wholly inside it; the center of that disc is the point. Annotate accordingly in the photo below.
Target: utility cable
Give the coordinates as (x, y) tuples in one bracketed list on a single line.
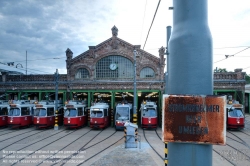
[(151, 23), (28, 69), (232, 55), (41, 59), (143, 19)]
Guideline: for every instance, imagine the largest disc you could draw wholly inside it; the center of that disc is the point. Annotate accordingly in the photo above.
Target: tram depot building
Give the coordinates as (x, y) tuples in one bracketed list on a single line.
[(106, 72)]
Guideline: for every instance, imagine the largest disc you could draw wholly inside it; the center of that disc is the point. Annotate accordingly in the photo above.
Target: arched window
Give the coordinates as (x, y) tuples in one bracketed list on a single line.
[(114, 66), (82, 73), (147, 72)]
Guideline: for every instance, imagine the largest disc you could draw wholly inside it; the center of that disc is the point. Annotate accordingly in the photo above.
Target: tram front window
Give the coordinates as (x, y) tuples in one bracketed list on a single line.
[(122, 113), (95, 114), (14, 112), (40, 112), (149, 113), (70, 113), (235, 113)]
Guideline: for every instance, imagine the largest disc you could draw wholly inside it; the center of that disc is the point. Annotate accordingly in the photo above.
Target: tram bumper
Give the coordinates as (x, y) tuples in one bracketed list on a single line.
[(71, 125), (14, 125), (149, 126), (97, 126)]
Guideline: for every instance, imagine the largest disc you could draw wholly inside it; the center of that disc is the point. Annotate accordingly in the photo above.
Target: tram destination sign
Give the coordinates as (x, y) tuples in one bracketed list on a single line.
[(194, 119)]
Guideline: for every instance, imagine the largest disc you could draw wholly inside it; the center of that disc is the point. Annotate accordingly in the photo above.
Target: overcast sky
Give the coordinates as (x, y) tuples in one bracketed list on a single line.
[(46, 28)]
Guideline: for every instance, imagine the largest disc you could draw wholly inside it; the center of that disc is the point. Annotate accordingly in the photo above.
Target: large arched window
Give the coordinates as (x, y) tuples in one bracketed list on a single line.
[(147, 72), (82, 73), (114, 66)]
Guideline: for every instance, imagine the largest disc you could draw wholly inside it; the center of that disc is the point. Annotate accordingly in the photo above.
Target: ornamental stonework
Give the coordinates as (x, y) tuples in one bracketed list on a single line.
[(112, 46)]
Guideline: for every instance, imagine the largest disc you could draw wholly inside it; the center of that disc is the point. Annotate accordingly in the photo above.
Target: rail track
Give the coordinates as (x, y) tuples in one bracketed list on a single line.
[(152, 145), (63, 148), (242, 141), (5, 139), (7, 132), (80, 149), (32, 144), (43, 145), (109, 146), (18, 140)]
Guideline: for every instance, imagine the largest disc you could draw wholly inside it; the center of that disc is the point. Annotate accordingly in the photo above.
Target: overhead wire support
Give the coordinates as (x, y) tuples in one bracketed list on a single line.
[(152, 23), (227, 56)]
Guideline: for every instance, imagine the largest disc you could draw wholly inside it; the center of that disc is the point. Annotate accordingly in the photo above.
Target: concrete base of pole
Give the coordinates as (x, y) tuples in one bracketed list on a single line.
[(198, 154), (56, 127)]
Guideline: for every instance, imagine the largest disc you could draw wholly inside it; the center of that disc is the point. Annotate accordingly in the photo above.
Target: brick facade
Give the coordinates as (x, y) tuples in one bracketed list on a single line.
[(112, 46)]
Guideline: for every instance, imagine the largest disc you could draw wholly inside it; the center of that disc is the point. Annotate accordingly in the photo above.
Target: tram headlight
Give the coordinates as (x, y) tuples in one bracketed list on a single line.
[(11, 121), (68, 121), (37, 121), (149, 121)]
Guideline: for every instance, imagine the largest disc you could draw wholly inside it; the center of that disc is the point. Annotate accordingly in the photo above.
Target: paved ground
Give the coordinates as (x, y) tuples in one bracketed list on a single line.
[(237, 152), (117, 154)]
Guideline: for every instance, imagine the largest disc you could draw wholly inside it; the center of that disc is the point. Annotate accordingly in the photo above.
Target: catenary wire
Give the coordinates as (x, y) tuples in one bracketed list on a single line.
[(152, 23), (233, 54), (143, 19)]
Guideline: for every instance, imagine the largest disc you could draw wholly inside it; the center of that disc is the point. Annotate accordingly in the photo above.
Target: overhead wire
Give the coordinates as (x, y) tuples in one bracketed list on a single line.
[(232, 55), (32, 70), (230, 47), (28, 69), (143, 19), (41, 59), (152, 23)]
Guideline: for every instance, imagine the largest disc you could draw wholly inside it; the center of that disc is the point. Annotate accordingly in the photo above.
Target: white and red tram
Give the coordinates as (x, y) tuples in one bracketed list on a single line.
[(4, 113), (148, 114), (123, 114), (235, 115), (45, 113), (75, 114), (20, 113), (100, 115)]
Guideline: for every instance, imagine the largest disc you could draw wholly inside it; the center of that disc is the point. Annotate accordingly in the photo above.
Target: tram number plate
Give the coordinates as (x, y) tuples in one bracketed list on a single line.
[(25, 118)]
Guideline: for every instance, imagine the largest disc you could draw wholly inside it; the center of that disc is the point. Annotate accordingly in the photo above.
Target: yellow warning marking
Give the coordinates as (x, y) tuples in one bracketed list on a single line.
[(166, 151)]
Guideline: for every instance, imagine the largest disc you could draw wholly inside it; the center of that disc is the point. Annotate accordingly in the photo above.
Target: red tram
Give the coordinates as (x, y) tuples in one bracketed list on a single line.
[(45, 112), (3, 113), (75, 114), (235, 115), (100, 115), (123, 114), (148, 114), (20, 113)]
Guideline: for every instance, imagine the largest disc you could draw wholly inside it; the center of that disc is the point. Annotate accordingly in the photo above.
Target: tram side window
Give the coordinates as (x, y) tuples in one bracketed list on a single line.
[(50, 111), (25, 111), (3, 111), (105, 112), (80, 111)]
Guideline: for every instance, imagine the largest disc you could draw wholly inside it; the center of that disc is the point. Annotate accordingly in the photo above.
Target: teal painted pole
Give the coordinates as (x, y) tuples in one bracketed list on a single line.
[(191, 71)]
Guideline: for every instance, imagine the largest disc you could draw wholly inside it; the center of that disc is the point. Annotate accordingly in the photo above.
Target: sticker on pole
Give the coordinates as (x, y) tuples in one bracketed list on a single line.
[(194, 119)]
